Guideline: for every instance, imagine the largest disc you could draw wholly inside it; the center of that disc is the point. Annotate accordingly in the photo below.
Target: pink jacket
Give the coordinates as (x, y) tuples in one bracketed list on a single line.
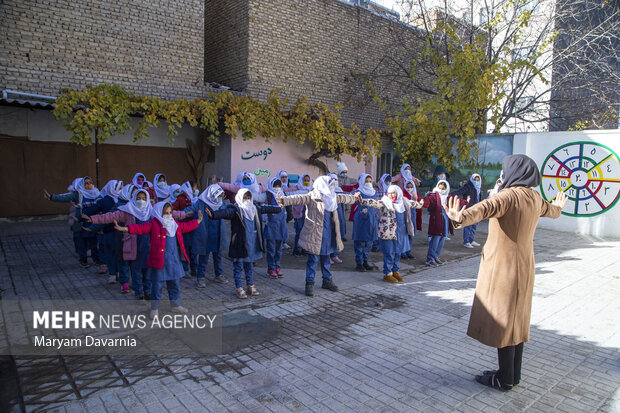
[(158, 239), (130, 241)]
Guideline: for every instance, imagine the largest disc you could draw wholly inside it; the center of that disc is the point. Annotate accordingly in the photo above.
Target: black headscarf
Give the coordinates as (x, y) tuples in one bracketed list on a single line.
[(520, 170)]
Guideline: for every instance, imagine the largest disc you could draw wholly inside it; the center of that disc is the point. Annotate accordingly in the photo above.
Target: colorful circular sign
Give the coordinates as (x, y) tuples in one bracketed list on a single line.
[(589, 174)]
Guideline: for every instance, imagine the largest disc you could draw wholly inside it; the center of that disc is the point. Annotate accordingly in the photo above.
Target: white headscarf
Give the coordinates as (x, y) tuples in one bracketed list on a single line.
[(86, 193), (211, 196), (443, 193), (187, 189), (341, 167), (413, 192), (125, 194), (161, 192), (135, 179), (71, 188), (248, 211), (280, 174), (300, 183), (406, 173), (274, 191), (361, 181), (382, 185), (169, 223), (479, 183), (326, 187), (112, 189), (397, 205), (171, 190), (131, 207), (253, 186), (338, 189)]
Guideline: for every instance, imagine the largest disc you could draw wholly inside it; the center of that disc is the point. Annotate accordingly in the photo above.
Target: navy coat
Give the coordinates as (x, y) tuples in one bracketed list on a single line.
[(210, 236)]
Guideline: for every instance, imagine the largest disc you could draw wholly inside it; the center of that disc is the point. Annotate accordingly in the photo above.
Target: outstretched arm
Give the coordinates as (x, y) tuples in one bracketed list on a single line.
[(495, 207), (296, 200), (346, 199), (553, 209)]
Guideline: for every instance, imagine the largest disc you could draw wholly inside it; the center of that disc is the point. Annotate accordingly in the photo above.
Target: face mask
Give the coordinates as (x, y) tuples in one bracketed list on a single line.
[(196, 192), (140, 203), (176, 194), (409, 189), (167, 216), (368, 185), (283, 179), (277, 190), (407, 174), (441, 176), (477, 184), (247, 202), (246, 182), (393, 197), (306, 182), (140, 181), (162, 185)]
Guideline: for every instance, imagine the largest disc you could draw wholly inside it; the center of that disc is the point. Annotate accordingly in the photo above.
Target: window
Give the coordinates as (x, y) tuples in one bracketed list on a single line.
[(384, 164)]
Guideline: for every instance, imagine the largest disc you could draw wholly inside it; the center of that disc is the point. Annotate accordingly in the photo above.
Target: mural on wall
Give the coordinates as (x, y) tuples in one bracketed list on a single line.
[(588, 172)]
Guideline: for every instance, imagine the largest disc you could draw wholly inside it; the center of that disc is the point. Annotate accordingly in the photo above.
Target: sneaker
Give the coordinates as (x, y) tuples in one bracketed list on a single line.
[(309, 289), (491, 380), (279, 272), (374, 249), (430, 263), (124, 288), (475, 244), (112, 279), (220, 280), (179, 309), (336, 260), (285, 246), (272, 274), (367, 266), (448, 238), (331, 261), (397, 275), (329, 285), (252, 290), (241, 294), (360, 268), (201, 283), (193, 273), (147, 296), (297, 253), (139, 296), (390, 278), (84, 264), (343, 239), (103, 269), (439, 262), (468, 245), (410, 256), (153, 314)]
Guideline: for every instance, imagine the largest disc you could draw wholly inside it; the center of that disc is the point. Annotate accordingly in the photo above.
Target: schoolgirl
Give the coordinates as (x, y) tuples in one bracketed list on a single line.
[(109, 197), (438, 224), (210, 236), (320, 235), (471, 192), (82, 194), (395, 229), (246, 242), (365, 224), (161, 189), (335, 258), (165, 253), (138, 180), (135, 247), (276, 230), (411, 193), (299, 211)]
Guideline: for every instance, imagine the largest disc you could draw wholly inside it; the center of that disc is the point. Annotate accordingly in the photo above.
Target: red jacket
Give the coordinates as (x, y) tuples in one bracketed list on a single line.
[(158, 239), (181, 202), (418, 212)]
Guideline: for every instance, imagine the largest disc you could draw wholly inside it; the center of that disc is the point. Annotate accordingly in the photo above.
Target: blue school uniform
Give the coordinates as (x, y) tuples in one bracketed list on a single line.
[(209, 238), (246, 264), (365, 228), (171, 272), (275, 233), (393, 248), (105, 240), (298, 224), (436, 242), (140, 281)]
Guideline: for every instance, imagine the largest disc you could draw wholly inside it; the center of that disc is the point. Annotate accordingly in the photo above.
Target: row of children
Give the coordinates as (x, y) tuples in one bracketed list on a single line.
[(319, 231)]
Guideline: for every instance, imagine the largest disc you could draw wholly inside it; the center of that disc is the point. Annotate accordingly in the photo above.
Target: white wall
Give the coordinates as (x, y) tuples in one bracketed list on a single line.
[(589, 173)]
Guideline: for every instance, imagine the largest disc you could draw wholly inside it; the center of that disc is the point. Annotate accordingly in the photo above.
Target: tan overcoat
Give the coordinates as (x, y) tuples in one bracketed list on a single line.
[(500, 314)]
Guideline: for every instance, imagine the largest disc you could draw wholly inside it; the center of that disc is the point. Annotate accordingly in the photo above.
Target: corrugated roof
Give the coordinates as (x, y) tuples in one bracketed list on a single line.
[(37, 104)]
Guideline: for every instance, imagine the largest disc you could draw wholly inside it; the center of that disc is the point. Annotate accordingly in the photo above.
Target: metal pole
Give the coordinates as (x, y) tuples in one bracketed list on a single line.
[(97, 156)]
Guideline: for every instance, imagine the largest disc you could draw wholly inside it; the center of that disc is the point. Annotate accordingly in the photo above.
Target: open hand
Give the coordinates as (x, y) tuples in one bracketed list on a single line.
[(208, 211), (454, 210), (560, 200), (46, 195), (87, 218), (358, 196), (120, 228), (199, 216), (87, 229), (279, 200)]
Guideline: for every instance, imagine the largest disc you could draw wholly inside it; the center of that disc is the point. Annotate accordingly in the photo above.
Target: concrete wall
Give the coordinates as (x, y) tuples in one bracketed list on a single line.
[(586, 166)]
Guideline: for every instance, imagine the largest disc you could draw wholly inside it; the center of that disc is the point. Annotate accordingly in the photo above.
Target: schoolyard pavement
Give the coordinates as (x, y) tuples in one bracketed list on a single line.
[(371, 347)]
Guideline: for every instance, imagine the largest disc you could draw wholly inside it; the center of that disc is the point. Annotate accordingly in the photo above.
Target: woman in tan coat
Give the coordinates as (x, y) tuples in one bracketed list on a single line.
[(500, 314)]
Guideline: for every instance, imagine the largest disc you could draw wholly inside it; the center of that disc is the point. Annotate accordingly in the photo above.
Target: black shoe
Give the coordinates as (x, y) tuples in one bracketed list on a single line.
[(140, 297), (367, 266), (329, 285), (84, 264), (297, 253), (193, 273), (147, 296), (374, 249), (96, 261), (310, 289), (491, 380), (343, 239), (491, 372), (360, 268)]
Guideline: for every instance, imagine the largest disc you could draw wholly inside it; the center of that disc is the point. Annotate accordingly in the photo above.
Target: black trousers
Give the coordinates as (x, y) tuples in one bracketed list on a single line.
[(510, 364)]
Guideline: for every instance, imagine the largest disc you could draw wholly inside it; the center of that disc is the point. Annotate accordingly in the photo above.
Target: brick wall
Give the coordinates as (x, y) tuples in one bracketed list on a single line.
[(226, 42), (325, 49), (152, 47)]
